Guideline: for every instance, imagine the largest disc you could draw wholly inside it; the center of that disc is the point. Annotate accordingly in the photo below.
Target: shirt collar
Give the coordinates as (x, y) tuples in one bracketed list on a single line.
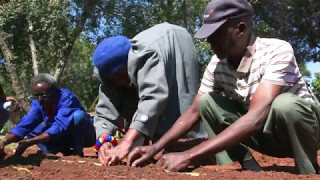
[(246, 60)]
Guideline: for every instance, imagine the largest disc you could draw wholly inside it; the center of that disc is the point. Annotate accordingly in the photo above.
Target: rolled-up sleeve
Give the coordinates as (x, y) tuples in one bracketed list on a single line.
[(153, 91)]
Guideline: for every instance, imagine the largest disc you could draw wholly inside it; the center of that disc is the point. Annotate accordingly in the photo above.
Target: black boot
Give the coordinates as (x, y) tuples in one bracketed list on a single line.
[(251, 165), (316, 167)]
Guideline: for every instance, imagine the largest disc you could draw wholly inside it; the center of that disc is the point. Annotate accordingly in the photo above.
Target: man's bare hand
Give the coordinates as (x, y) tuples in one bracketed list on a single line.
[(139, 155), (22, 146), (174, 161), (109, 155)]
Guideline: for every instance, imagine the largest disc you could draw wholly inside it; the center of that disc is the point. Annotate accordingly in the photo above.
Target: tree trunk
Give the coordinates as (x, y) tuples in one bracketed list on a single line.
[(87, 13), (12, 70), (33, 50), (185, 14)]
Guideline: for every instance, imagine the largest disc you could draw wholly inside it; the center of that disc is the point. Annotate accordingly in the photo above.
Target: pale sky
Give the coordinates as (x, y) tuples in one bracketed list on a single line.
[(313, 68)]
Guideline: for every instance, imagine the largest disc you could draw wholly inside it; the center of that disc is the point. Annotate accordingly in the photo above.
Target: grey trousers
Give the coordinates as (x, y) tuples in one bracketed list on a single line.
[(291, 129)]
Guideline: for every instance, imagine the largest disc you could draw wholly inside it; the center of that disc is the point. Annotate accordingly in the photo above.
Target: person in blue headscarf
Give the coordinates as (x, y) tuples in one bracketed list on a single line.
[(147, 82), (56, 122)]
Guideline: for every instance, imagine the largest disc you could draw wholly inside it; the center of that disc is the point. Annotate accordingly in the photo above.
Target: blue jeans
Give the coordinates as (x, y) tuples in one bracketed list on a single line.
[(80, 133)]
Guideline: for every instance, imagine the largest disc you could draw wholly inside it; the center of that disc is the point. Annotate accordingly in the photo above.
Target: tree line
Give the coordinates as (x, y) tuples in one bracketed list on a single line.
[(59, 36)]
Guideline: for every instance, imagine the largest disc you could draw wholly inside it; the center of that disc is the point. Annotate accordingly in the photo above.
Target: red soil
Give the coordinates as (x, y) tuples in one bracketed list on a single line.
[(35, 165)]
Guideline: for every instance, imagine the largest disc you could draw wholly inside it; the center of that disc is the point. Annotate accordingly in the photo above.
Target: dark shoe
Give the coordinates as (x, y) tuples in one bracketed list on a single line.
[(78, 151), (251, 165), (79, 154), (316, 167), (67, 152)]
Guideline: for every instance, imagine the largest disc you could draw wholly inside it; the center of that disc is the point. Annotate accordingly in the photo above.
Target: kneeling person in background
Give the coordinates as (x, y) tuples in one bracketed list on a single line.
[(56, 122)]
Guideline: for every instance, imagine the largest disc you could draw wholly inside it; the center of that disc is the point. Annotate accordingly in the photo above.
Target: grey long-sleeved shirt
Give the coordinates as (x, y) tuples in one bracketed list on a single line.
[(162, 65)]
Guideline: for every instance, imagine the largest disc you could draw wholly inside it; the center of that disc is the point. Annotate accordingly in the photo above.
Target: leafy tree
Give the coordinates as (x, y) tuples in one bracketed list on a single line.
[(131, 17), (295, 21), (39, 36), (316, 86), (78, 77), (59, 36)]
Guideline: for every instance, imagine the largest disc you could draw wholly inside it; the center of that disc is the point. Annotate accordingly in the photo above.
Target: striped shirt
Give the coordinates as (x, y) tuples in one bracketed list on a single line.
[(265, 60)]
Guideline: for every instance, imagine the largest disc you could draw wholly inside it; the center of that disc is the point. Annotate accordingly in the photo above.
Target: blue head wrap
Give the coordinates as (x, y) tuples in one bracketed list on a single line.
[(111, 54)]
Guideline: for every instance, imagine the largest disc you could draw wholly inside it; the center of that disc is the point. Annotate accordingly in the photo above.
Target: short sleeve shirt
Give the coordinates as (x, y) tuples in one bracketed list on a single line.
[(265, 60)]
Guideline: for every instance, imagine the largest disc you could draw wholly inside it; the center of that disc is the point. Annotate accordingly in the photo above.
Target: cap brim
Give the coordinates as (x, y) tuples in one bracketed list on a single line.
[(207, 29)]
